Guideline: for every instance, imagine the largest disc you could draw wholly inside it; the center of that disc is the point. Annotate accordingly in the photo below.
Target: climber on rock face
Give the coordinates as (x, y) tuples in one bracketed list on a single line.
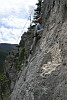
[(38, 30), (39, 25)]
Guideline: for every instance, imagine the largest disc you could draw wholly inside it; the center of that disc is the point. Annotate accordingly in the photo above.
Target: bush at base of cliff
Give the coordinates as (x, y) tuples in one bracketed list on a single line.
[(4, 87)]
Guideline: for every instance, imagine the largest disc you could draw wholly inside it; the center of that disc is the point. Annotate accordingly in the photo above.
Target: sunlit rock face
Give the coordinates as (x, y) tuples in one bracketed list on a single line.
[(45, 76)]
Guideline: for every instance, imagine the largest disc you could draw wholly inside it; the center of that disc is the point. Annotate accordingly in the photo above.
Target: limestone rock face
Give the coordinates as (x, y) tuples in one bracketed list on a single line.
[(11, 60), (10, 69), (45, 76), (26, 41)]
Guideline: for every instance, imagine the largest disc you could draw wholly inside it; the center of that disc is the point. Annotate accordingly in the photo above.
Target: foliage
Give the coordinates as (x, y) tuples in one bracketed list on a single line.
[(31, 27), (4, 50), (3, 85), (4, 81), (3, 55), (21, 59), (17, 65), (22, 55), (37, 11), (2, 76)]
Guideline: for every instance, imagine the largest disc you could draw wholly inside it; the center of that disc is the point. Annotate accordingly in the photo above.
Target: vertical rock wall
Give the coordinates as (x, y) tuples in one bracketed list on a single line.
[(45, 76)]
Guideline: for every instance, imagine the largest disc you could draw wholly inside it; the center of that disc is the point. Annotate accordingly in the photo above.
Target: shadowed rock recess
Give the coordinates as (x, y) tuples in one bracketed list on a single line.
[(44, 77)]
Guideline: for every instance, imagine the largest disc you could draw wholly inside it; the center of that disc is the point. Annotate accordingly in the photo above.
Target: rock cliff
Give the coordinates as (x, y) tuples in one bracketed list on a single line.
[(44, 77)]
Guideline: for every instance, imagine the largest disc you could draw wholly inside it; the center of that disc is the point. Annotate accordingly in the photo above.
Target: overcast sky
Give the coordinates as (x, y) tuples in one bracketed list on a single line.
[(14, 15)]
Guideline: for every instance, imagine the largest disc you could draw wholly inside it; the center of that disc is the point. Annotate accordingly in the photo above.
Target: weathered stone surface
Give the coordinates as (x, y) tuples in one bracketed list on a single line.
[(45, 76), (13, 57)]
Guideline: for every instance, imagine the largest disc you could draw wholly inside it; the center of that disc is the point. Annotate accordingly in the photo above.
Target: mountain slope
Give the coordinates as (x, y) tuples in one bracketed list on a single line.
[(4, 50)]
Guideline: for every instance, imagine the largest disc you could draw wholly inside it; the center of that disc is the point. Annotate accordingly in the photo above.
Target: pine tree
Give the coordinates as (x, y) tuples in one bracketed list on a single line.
[(37, 13)]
